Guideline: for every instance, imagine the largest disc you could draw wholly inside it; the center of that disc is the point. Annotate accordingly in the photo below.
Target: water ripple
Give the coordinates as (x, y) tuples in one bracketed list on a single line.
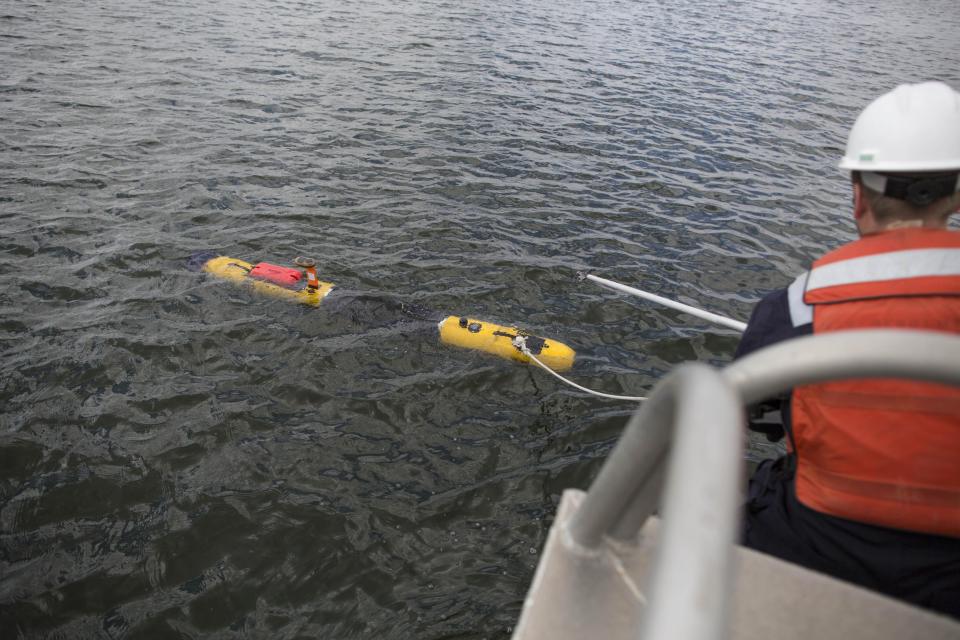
[(177, 456)]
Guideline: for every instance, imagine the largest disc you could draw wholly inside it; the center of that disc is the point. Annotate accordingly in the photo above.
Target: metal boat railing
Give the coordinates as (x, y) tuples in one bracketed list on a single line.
[(682, 452)]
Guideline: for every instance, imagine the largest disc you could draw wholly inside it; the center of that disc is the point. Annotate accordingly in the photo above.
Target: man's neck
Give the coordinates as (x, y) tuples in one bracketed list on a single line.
[(867, 226), (902, 224)]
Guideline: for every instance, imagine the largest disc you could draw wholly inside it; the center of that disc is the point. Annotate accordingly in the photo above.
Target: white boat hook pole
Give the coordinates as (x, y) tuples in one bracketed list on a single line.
[(679, 306)]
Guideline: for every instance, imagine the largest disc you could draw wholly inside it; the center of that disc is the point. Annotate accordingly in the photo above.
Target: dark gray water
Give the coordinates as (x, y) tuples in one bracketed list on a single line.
[(179, 458)]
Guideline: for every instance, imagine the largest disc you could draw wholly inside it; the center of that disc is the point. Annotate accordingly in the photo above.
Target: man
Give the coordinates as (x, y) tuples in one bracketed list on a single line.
[(870, 489)]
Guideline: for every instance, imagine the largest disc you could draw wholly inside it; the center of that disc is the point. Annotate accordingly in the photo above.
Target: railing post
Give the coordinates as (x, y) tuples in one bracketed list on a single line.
[(690, 580), (635, 457)]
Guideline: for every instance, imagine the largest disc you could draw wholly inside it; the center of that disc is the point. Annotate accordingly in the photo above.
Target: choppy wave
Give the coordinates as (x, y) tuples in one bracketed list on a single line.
[(177, 456)]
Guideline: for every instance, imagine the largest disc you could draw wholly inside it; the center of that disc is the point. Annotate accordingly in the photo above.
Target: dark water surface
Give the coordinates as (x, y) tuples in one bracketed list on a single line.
[(179, 458)]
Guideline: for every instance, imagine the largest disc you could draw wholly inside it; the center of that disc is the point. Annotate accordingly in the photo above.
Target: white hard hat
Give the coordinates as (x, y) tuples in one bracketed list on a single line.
[(915, 127)]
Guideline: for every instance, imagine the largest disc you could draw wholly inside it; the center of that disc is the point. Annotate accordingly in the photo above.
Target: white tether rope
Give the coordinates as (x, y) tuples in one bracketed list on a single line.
[(520, 342)]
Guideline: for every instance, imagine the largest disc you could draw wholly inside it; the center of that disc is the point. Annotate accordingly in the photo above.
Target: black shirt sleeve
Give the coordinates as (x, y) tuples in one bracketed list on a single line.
[(769, 324)]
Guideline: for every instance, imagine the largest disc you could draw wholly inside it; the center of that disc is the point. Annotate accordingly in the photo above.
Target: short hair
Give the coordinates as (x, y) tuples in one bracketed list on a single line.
[(886, 209)]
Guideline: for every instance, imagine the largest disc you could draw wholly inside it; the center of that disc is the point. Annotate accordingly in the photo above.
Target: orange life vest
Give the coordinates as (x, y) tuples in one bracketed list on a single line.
[(883, 451)]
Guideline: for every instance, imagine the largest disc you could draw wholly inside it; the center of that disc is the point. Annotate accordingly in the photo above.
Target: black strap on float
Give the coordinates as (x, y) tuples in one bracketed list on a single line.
[(534, 343)]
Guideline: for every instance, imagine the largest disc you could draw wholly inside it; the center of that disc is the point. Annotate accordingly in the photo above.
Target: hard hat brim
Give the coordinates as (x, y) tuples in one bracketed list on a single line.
[(847, 164)]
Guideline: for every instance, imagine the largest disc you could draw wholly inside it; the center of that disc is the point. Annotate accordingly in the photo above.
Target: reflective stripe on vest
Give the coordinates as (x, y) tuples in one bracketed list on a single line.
[(883, 267), (894, 263), (883, 451), (801, 313)]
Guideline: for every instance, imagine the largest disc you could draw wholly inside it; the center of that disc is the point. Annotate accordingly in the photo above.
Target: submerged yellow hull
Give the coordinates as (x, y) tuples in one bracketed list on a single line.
[(238, 271)]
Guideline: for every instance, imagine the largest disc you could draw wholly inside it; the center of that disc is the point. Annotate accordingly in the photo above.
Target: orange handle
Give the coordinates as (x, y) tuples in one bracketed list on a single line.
[(312, 281)]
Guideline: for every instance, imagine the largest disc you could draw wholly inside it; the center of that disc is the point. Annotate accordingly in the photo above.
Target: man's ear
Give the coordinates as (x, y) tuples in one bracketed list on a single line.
[(860, 206)]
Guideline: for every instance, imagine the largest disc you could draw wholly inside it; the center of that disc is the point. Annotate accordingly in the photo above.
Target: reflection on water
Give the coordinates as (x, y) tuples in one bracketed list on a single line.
[(179, 457)]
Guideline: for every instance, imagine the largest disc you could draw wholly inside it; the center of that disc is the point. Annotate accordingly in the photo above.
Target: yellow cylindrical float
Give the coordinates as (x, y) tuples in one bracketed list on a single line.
[(496, 339), (239, 271)]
